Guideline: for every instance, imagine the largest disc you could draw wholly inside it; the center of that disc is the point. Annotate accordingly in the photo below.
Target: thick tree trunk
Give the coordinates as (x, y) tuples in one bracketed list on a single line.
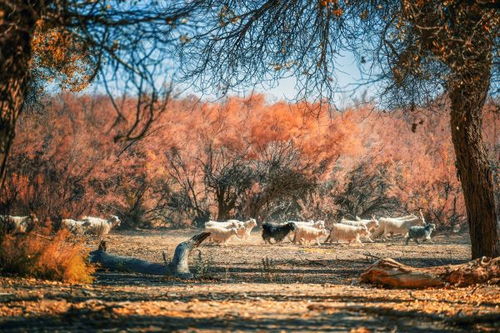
[(17, 24), (468, 94), (390, 273), (178, 267)]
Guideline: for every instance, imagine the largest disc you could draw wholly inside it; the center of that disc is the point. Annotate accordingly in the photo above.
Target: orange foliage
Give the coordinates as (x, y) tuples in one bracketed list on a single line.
[(38, 254), (241, 157), (60, 55), (253, 132), (249, 125), (416, 149)]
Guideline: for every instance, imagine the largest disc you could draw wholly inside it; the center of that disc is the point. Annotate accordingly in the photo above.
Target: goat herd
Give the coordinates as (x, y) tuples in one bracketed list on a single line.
[(87, 225), (302, 232), (299, 232)]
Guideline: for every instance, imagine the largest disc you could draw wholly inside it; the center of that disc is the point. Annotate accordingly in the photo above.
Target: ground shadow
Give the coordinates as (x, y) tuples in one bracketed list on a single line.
[(341, 320)]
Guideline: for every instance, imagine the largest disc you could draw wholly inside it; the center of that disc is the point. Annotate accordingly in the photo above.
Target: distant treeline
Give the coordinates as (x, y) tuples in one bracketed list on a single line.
[(243, 157)]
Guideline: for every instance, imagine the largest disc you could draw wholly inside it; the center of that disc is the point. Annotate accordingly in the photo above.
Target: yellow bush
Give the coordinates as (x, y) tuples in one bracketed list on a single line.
[(43, 256)]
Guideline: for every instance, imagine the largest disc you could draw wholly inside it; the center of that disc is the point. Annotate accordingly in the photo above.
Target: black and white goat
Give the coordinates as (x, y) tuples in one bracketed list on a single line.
[(420, 232)]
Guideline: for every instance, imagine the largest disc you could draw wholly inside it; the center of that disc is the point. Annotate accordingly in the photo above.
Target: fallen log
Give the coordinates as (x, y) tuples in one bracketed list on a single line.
[(178, 267), (390, 273)]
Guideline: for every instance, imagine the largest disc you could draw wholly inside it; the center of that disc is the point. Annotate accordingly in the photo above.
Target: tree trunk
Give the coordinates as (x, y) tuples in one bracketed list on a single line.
[(178, 267), (222, 207), (468, 94), (17, 24), (390, 273)]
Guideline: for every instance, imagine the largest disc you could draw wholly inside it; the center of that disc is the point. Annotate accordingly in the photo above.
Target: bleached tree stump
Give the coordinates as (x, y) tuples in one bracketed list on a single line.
[(390, 273), (178, 267)]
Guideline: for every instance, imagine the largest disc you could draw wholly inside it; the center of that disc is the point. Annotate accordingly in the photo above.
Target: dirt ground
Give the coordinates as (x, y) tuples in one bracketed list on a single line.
[(248, 285)]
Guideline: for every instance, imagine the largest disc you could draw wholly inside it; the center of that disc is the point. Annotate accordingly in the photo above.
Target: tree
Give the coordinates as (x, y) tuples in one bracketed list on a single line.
[(246, 158), (366, 192), (418, 48), (79, 40), (227, 176)]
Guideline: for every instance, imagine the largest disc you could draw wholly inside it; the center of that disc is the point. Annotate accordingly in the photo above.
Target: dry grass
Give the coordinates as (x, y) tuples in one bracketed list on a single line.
[(42, 255)]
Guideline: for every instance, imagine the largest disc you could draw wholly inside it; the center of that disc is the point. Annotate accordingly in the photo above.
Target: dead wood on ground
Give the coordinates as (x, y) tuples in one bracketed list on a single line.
[(390, 273), (178, 267)]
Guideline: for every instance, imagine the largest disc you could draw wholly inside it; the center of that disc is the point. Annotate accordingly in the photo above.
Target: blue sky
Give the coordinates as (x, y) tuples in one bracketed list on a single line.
[(285, 89), (347, 74)]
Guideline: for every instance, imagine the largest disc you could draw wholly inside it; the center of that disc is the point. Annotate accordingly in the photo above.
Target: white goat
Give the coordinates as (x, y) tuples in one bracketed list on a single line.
[(391, 225), (248, 226), (320, 224), (237, 224), (304, 234), (221, 235), (99, 226), (349, 233), (225, 224), (369, 224), (74, 226), (19, 224)]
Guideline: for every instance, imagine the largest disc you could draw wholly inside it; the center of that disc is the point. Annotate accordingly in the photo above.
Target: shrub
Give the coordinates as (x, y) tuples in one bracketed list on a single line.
[(37, 254)]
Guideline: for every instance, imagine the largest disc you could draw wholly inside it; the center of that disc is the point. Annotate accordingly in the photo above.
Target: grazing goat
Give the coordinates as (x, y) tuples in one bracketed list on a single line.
[(221, 235), (369, 224), (305, 234), (18, 224), (74, 226), (391, 225), (347, 233), (276, 231), (99, 226), (420, 232)]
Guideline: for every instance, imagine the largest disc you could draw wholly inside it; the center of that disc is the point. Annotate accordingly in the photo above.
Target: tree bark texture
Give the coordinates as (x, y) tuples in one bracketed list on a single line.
[(467, 97), (178, 267), (390, 273), (17, 24)]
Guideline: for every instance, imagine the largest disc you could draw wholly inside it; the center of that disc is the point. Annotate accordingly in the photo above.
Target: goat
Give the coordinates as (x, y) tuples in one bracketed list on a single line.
[(18, 224), (424, 232), (225, 224), (248, 226), (369, 224), (74, 226), (320, 224), (99, 226), (390, 225), (221, 235), (276, 231), (305, 234), (238, 225), (347, 233)]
